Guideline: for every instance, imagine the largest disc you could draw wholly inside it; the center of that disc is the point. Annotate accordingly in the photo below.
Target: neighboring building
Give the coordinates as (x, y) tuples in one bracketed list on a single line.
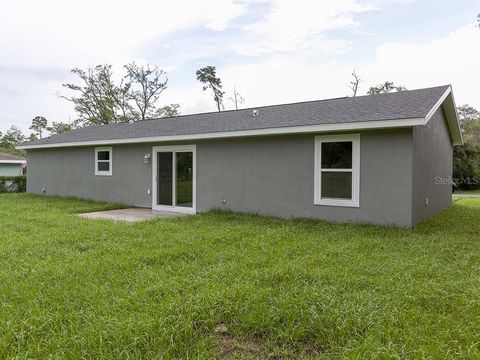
[(382, 159), (11, 165)]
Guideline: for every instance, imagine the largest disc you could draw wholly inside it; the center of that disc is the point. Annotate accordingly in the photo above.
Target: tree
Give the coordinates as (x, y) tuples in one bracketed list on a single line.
[(467, 113), (478, 20), (355, 83), (12, 137), (31, 137), (236, 98), (99, 100), (59, 128), (8, 141), (168, 111), (466, 157), (385, 88), (208, 77), (147, 83), (466, 167), (39, 123)]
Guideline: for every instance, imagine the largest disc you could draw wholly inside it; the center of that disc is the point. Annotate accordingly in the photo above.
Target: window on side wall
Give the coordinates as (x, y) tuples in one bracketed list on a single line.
[(337, 170), (103, 161)]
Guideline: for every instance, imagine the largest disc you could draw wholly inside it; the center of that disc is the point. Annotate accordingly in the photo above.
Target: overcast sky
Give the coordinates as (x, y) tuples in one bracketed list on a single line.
[(273, 51)]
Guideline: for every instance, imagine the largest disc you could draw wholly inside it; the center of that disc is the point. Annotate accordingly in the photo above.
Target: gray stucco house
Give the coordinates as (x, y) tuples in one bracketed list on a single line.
[(11, 165), (382, 159)]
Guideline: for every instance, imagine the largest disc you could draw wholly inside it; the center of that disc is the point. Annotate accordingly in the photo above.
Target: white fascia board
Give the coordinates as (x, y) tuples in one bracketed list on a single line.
[(13, 161), (438, 104), (452, 115), (352, 126), (458, 140)]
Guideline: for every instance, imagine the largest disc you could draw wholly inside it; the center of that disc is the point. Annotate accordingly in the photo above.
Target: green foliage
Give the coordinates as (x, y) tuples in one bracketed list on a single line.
[(146, 84), (467, 113), (74, 288), (208, 77), (31, 137), (13, 184), (466, 166), (39, 123), (11, 138), (169, 111), (385, 88), (12, 151), (99, 100), (59, 128), (466, 157)]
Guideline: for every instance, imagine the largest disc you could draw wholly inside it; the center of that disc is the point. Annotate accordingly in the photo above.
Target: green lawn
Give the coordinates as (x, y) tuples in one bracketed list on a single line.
[(73, 288)]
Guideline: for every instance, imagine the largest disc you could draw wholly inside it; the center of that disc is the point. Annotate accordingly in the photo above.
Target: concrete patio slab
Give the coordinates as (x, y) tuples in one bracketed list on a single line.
[(130, 214), (475, 196)]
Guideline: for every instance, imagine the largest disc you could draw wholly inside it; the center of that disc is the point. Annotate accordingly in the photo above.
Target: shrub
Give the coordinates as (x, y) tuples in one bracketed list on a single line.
[(466, 166), (13, 184)]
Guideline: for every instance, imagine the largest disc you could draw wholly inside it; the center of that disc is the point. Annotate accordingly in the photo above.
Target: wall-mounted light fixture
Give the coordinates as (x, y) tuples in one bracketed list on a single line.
[(146, 158)]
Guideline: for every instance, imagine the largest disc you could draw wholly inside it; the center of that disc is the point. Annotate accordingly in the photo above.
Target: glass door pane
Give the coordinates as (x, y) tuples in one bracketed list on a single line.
[(184, 179), (165, 178)]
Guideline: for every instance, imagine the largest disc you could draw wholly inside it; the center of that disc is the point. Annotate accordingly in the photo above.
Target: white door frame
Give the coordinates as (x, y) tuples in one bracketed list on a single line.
[(174, 150)]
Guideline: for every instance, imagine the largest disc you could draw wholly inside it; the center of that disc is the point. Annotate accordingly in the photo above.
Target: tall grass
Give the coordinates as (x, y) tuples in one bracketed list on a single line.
[(75, 288)]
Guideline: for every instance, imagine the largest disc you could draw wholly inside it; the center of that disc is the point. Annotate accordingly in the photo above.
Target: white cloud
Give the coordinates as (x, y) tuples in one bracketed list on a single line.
[(284, 80), (88, 32), (42, 40), (299, 25), (453, 59)]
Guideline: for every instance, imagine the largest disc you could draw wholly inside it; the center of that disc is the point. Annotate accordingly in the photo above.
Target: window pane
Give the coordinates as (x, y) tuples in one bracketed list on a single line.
[(103, 155), (337, 185), (164, 178), (184, 186), (103, 166), (337, 155)]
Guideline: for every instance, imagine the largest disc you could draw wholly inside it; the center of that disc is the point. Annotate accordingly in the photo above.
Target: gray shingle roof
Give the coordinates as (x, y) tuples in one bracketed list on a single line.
[(9, 157), (393, 106)]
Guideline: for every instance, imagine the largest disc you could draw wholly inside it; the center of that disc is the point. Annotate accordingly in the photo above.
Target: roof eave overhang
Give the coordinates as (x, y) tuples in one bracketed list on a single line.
[(289, 130), (447, 102)]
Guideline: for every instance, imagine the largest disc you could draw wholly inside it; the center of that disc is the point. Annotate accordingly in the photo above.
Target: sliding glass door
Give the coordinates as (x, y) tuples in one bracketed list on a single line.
[(164, 178), (184, 179), (174, 178)]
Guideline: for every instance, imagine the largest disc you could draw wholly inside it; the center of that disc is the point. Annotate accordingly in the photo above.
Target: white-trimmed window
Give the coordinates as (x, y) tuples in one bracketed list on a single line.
[(337, 170), (103, 161)]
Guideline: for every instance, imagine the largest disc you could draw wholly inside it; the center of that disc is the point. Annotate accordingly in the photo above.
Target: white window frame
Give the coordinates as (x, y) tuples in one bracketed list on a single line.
[(355, 170), (110, 161)]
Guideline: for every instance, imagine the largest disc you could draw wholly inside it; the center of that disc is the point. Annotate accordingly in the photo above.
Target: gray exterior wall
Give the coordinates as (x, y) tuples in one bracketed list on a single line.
[(432, 168), (275, 176), (265, 175), (71, 172)]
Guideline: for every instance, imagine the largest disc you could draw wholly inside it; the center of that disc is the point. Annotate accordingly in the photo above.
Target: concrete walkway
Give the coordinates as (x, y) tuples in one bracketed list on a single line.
[(467, 196), (130, 214)]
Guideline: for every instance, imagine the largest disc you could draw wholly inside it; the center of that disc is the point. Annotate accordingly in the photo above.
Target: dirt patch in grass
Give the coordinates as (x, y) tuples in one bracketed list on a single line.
[(254, 347), (249, 347)]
